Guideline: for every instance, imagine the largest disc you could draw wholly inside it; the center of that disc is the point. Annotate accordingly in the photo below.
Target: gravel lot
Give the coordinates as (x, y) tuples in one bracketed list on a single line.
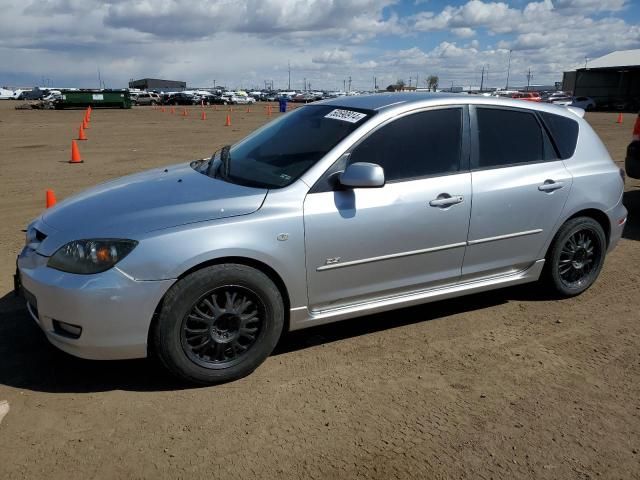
[(509, 384)]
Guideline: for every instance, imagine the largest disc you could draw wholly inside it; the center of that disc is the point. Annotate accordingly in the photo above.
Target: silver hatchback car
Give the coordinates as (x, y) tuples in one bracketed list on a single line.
[(338, 209)]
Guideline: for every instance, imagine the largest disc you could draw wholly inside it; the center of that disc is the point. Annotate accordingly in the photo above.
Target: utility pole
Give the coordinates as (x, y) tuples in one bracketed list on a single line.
[(586, 60), (305, 84), (349, 82), (482, 79), (417, 81), (289, 64), (529, 77), (344, 85), (508, 70), (99, 79)]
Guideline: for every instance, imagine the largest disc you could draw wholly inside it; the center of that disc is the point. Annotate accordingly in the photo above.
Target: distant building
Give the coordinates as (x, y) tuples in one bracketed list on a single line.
[(613, 81), (157, 84), (400, 87)]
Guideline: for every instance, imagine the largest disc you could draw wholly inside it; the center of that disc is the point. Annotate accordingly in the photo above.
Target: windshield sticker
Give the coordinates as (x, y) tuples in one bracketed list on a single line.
[(346, 115)]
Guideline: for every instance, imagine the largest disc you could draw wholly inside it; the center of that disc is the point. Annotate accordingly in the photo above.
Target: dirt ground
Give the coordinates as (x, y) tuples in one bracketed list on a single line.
[(509, 384)]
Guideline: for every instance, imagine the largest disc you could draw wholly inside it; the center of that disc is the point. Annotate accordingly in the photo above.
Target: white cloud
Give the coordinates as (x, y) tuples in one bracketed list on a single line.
[(463, 32), (335, 56), (240, 42), (590, 5)]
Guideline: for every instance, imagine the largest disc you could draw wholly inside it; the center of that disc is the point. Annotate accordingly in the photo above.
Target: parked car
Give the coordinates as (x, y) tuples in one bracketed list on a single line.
[(204, 98), (303, 98), (233, 99), (528, 96), (632, 160), (338, 209), (145, 98), (6, 94), (180, 98), (585, 103), (553, 95)]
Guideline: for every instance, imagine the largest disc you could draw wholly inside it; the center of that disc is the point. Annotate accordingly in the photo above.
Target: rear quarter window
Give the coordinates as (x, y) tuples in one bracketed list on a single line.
[(564, 132)]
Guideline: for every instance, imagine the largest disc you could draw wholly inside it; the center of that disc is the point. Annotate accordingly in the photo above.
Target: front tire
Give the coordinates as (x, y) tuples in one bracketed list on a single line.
[(575, 257), (219, 324)]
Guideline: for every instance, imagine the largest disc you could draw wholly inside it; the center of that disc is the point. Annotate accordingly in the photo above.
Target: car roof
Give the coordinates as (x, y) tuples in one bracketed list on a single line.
[(379, 101), (403, 101)]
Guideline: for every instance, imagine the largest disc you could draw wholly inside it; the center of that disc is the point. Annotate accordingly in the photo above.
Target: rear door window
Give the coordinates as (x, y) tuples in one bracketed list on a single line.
[(510, 137)]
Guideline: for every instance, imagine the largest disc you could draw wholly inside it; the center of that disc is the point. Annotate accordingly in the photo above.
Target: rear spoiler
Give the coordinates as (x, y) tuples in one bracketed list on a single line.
[(577, 111)]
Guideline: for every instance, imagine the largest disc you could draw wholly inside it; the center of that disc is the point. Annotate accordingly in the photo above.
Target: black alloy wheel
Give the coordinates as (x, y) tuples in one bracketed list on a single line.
[(575, 256), (578, 257), (222, 326), (218, 323)]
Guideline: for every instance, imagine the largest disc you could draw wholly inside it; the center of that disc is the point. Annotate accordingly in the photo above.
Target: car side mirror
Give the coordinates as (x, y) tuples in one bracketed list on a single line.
[(363, 175)]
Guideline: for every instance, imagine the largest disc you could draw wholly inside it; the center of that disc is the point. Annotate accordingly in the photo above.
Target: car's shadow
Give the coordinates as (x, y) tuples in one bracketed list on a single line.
[(30, 362), (631, 200)]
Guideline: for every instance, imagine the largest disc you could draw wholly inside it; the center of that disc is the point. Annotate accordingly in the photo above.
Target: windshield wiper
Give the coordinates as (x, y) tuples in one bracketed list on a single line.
[(223, 167), (225, 157)]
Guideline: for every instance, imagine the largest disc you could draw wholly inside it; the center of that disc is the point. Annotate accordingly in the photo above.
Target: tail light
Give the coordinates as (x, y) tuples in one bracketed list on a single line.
[(636, 129)]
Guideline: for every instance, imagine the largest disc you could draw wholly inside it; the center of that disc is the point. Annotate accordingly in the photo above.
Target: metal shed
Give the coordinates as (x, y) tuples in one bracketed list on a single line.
[(613, 80)]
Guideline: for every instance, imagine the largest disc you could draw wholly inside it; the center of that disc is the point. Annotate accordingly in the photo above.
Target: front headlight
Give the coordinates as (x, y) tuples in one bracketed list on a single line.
[(90, 256)]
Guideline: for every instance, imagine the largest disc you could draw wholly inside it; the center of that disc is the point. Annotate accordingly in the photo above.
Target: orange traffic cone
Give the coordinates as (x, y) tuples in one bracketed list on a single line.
[(75, 153), (50, 199), (184, 112), (173, 110), (215, 108), (248, 109), (269, 111), (81, 135), (87, 116), (162, 109), (85, 125), (228, 122), (203, 116), (619, 118)]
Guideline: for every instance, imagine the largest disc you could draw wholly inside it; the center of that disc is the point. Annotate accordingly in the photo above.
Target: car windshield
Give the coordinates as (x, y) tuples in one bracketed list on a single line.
[(280, 152)]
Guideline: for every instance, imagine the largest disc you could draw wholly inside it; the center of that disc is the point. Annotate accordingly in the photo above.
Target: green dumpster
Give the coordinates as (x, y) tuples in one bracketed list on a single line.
[(94, 98)]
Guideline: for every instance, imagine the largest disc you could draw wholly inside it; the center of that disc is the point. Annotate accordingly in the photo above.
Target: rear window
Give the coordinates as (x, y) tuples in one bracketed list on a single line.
[(564, 132)]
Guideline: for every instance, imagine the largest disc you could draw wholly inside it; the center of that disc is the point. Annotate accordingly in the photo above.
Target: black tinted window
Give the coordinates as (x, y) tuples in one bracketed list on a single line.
[(421, 144), (564, 132), (508, 137)]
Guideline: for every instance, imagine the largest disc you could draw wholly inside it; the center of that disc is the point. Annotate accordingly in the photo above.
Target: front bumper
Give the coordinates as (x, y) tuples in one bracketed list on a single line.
[(113, 310)]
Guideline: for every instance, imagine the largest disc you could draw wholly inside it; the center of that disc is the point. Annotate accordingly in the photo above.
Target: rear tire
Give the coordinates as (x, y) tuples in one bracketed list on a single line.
[(219, 324), (575, 257)]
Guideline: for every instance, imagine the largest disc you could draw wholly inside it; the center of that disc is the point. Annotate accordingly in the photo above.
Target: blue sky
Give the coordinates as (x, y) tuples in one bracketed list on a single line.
[(243, 43)]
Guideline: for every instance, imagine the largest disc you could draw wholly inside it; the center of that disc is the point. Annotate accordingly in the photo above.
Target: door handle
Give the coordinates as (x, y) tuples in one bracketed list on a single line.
[(446, 200), (550, 186)]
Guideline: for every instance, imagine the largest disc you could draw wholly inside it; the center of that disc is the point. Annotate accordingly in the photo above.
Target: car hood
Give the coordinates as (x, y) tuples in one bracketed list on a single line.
[(151, 200)]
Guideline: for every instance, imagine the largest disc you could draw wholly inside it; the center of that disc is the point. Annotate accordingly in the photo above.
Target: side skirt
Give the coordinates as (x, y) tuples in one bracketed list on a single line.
[(302, 317)]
